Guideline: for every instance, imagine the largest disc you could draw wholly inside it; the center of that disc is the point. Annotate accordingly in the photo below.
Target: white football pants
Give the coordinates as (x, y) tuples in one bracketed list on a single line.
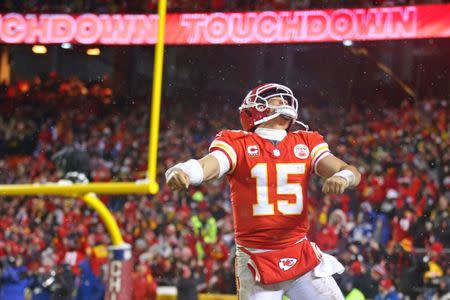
[(317, 284)]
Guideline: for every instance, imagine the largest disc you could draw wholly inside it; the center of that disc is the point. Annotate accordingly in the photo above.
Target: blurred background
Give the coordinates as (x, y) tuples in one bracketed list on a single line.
[(382, 105)]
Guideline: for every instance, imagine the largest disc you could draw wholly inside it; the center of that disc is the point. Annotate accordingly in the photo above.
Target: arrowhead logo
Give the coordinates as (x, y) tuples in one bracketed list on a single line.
[(287, 263)]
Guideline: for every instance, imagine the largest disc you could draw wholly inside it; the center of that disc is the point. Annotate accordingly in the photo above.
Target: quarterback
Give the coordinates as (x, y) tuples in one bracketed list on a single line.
[(268, 167)]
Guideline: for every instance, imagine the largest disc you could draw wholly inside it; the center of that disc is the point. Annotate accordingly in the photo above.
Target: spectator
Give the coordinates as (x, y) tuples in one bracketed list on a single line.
[(188, 285), (144, 285), (387, 291), (14, 279), (90, 287), (40, 289), (362, 281), (64, 285)]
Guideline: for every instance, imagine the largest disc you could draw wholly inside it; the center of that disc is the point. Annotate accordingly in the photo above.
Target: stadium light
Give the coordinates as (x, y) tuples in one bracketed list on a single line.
[(347, 43), (39, 49), (66, 45), (93, 51)]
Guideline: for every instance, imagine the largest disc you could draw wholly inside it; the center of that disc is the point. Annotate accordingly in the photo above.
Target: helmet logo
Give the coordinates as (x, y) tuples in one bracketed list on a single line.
[(301, 151)]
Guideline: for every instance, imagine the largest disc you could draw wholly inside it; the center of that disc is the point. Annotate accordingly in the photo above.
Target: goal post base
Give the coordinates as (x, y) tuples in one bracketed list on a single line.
[(119, 285)]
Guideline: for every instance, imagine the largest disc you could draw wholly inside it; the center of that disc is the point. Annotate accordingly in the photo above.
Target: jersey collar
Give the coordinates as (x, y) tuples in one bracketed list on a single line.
[(271, 134)]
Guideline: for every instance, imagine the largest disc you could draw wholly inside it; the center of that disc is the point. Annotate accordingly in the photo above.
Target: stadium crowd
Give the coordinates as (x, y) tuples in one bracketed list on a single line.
[(391, 232), (150, 6)]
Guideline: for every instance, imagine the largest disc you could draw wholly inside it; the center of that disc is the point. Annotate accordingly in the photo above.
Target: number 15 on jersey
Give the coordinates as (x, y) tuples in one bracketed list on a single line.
[(265, 207)]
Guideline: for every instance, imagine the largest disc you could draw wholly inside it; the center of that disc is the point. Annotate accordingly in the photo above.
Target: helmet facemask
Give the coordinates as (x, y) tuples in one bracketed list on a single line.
[(259, 99)]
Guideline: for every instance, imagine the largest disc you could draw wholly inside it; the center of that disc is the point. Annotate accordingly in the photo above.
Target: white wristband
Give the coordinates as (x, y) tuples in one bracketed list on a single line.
[(347, 175), (191, 167)]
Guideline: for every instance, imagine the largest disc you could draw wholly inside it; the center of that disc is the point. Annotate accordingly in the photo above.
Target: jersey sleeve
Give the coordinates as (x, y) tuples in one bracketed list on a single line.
[(224, 143), (318, 149)]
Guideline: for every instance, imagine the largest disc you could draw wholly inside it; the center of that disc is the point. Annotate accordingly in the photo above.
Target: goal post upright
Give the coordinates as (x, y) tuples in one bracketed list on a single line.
[(156, 96)]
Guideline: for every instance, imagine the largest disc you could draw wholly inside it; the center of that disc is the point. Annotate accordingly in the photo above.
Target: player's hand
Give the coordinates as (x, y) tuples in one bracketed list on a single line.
[(177, 179), (334, 185)]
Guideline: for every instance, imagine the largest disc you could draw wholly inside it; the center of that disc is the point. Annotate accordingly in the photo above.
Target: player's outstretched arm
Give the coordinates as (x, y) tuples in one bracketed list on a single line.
[(192, 172), (338, 175)]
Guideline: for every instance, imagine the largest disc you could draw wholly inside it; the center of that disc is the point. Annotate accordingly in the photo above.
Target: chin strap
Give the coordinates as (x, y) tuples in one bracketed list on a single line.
[(303, 124), (285, 112), (265, 119)]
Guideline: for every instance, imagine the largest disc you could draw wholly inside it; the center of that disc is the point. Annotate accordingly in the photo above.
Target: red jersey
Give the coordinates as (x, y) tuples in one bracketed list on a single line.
[(269, 185)]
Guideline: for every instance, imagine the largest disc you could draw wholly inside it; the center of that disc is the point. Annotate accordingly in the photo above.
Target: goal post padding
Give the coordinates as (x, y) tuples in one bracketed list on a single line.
[(119, 285)]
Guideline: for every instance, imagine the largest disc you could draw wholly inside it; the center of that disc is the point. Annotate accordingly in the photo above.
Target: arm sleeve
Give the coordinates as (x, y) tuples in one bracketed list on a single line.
[(224, 163), (224, 144), (318, 150)]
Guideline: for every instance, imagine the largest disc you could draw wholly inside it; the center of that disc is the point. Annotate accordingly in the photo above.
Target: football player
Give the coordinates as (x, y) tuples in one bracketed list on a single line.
[(268, 168)]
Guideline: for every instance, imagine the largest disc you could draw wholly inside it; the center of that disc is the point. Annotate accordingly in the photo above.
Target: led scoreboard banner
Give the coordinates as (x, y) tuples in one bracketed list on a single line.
[(386, 23)]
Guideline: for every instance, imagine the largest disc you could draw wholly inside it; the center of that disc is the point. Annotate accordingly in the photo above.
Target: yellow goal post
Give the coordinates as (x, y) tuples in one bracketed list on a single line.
[(88, 191)]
